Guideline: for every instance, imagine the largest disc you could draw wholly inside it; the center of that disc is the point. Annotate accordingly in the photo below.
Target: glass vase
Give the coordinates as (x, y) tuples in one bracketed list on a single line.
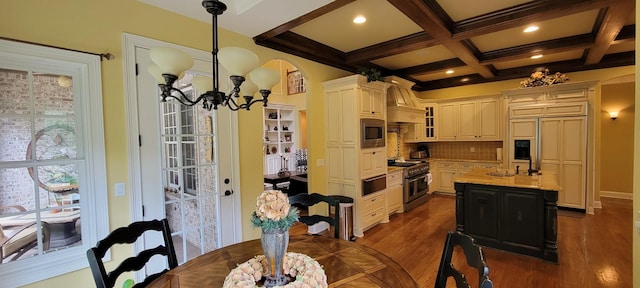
[(274, 245)]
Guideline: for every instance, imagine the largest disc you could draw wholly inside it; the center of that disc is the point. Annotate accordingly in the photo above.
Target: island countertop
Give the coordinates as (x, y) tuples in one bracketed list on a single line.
[(481, 176)]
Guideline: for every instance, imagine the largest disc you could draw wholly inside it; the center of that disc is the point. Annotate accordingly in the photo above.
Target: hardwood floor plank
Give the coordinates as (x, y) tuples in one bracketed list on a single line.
[(594, 250)]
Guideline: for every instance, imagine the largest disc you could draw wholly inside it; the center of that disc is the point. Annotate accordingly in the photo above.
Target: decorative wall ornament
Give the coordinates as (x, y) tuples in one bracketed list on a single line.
[(542, 77)]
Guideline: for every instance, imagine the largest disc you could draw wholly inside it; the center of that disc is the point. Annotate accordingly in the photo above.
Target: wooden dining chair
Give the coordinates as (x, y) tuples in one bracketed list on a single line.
[(313, 199), (130, 234), (474, 257)]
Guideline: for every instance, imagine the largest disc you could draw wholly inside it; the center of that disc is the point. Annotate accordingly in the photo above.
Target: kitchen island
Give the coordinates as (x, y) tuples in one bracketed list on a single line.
[(516, 213)]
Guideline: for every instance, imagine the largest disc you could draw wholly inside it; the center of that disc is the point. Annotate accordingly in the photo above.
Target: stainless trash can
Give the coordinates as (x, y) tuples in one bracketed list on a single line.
[(346, 217)]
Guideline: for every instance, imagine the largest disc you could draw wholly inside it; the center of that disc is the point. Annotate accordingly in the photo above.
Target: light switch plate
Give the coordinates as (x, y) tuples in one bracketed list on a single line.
[(119, 189), (320, 162)]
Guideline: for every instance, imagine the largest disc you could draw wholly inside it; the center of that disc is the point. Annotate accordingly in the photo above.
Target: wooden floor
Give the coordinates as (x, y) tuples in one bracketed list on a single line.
[(594, 250)]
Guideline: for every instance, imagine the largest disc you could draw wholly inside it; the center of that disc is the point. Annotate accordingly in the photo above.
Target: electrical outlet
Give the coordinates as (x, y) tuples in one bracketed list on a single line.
[(320, 162), (473, 149)]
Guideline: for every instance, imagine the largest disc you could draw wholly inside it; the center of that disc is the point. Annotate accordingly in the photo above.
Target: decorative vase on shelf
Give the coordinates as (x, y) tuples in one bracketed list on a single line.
[(274, 245)]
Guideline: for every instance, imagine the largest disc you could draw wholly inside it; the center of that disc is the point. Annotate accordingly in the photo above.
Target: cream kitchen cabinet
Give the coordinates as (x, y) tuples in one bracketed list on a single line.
[(470, 120), (374, 210), (394, 192), (446, 171), (479, 120), (350, 99), (373, 162), (447, 121), (415, 133), (563, 153), (423, 132), (372, 103)]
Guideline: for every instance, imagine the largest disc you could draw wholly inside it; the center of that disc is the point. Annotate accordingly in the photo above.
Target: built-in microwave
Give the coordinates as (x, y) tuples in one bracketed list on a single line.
[(372, 133)]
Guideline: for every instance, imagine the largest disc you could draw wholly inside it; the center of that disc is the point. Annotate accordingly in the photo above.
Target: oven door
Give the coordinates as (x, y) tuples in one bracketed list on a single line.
[(415, 187)]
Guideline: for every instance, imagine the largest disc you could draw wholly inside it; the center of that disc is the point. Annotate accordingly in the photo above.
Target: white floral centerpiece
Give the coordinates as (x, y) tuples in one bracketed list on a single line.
[(307, 272), (273, 211)]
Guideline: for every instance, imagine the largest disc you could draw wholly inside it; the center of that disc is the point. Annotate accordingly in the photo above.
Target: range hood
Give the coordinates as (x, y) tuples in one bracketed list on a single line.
[(402, 104)]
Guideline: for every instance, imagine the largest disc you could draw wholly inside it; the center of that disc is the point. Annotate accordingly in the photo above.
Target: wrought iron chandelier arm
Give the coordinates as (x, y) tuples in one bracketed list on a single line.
[(183, 99)]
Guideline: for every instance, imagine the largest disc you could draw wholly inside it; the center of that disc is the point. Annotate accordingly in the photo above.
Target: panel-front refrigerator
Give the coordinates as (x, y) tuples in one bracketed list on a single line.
[(555, 146)]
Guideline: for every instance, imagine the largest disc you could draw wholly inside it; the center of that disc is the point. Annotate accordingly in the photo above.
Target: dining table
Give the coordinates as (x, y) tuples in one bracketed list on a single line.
[(346, 264)]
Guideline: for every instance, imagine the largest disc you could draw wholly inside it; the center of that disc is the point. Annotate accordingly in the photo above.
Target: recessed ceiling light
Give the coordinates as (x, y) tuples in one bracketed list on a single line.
[(531, 29), (449, 71), (537, 56), (359, 20), (464, 79)]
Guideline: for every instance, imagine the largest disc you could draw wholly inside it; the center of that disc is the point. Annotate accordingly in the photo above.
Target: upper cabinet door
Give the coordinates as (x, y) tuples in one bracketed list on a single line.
[(447, 121)]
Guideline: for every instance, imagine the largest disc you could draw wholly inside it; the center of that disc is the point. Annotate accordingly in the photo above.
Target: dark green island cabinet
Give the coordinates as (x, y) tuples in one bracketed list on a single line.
[(516, 214)]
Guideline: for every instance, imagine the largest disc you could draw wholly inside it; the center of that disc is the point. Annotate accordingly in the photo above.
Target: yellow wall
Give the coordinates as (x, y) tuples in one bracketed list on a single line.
[(616, 173), (97, 26), (636, 165)]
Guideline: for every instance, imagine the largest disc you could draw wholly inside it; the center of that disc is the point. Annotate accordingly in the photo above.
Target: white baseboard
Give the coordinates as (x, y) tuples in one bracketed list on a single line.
[(617, 195), (596, 205)]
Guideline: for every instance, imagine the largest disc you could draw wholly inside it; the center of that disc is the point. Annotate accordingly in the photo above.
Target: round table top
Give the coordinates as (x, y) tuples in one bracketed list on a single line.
[(345, 263)]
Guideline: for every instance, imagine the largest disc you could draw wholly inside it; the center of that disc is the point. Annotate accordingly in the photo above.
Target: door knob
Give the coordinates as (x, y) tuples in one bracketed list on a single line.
[(228, 192)]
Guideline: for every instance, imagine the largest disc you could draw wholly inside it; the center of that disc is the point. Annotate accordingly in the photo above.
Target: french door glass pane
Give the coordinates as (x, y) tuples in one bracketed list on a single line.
[(187, 135)]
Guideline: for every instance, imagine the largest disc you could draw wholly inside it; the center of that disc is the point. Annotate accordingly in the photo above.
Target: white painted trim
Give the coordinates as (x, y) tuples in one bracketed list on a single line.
[(596, 205), (94, 214), (617, 195), (129, 44)]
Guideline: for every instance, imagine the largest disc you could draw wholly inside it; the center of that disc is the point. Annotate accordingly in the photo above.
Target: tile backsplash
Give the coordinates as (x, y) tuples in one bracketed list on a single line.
[(482, 150)]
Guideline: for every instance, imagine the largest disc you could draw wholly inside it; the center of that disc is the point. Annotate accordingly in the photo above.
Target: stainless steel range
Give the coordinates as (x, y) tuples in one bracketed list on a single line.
[(416, 185)]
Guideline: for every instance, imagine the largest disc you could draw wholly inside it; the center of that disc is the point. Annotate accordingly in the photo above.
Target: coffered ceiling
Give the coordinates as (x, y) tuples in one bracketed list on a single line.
[(420, 40)]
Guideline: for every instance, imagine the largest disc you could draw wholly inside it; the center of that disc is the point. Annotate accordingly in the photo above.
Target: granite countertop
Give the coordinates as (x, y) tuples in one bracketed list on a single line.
[(463, 160), (480, 176), (393, 168)]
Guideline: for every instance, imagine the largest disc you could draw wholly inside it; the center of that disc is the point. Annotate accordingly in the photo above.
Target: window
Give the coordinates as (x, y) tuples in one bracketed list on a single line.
[(295, 82), (52, 162)]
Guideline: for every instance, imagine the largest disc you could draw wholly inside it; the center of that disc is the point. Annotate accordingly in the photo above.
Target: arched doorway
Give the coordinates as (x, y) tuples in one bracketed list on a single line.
[(285, 129)]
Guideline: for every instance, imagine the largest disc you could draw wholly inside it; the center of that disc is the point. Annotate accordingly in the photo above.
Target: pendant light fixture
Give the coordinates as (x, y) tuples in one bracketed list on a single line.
[(169, 64)]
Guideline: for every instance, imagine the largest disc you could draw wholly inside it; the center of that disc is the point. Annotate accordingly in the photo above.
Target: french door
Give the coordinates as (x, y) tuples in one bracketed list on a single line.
[(185, 161)]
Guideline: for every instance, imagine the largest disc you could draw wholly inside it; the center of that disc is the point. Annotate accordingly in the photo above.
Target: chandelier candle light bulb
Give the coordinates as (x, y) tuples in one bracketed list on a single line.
[(169, 64)]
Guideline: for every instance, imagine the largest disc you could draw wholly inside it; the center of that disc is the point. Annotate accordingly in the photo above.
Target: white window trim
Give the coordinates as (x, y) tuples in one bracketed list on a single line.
[(94, 214)]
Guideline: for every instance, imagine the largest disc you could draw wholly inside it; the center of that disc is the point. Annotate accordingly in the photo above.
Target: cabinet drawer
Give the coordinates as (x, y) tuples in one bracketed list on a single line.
[(488, 165), (394, 179), (373, 217), (466, 166), (373, 203), (446, 165)]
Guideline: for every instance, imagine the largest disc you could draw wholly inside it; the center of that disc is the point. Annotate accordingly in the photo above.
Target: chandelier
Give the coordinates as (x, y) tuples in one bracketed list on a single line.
[(169, 64)]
